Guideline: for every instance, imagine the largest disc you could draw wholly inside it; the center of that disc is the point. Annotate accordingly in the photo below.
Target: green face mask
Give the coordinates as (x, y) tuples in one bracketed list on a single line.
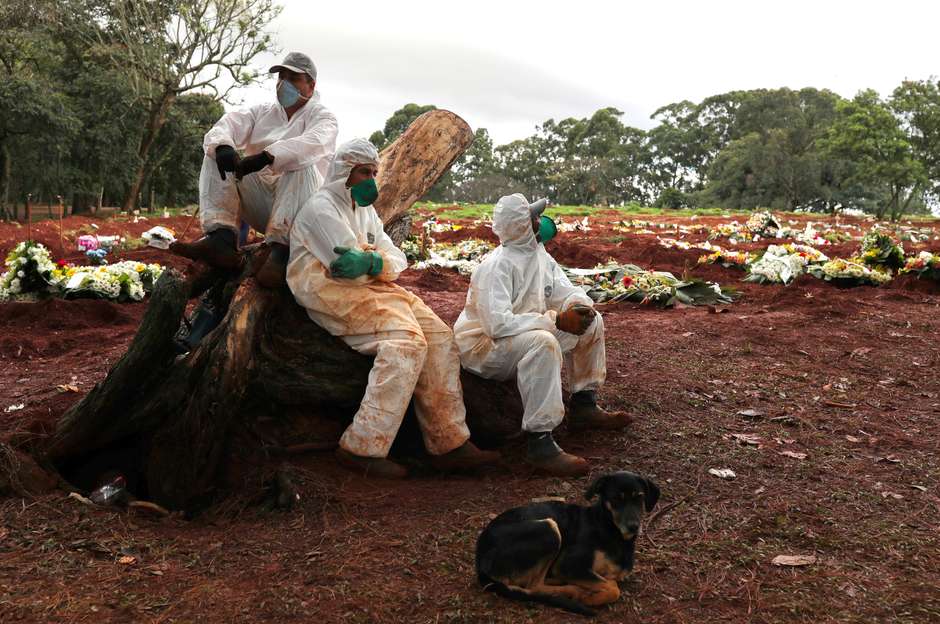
[(547, 229), (365, 193)]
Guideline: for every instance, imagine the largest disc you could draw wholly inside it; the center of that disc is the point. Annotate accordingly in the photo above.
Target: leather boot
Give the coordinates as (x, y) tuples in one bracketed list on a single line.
[(273, 273), (544, 454), (378, 467), (464, 457), (586, 414), (217, 248)]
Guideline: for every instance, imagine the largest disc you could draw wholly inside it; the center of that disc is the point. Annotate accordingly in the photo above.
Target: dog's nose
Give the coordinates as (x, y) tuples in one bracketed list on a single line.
[(633, 527)]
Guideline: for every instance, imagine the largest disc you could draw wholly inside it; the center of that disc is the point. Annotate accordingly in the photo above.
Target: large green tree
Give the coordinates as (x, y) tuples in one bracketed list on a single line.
[(917, 104), (398, 123), (172, 47), (868, 136)]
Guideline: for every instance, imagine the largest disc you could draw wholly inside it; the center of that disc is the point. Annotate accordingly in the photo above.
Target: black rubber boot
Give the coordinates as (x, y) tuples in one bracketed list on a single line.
[(218, 248)]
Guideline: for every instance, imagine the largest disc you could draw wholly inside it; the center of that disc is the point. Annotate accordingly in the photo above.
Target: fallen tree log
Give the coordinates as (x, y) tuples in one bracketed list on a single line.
[(185, 429), (417, 159)]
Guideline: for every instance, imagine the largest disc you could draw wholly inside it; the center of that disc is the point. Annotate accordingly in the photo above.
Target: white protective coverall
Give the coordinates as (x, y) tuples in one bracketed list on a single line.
[(414, 350), (507, 328), (268, 200)]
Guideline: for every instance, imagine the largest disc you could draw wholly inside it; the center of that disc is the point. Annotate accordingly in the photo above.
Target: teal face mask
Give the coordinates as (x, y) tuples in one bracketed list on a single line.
[(365, 193), (547, 229)]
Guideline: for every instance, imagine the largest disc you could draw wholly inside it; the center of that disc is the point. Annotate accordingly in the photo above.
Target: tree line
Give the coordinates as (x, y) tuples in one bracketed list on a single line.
[(106, 101), (782, 149)]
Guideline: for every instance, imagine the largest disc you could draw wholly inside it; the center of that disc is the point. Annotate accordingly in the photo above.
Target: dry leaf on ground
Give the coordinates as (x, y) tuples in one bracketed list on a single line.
[(722, 473), (794, 560)]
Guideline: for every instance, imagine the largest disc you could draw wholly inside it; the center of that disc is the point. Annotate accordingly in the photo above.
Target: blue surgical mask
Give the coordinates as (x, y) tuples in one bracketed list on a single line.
[(287, 94)]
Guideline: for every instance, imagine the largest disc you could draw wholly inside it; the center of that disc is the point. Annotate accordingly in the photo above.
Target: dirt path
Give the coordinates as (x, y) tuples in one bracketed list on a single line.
[(845, 376)]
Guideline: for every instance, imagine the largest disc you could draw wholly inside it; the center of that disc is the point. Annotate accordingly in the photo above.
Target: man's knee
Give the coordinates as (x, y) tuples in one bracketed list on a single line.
[(543, 341)]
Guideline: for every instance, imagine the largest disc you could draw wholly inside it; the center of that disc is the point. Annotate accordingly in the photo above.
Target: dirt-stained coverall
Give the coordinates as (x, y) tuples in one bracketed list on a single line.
[(268, 200), (507, 328), (414, 350)]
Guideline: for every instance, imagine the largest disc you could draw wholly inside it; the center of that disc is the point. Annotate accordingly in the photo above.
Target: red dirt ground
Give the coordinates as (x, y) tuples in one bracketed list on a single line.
[(846, 376)]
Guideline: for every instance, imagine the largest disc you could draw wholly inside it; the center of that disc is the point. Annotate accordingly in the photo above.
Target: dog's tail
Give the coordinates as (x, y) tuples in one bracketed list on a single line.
[(524, 595)]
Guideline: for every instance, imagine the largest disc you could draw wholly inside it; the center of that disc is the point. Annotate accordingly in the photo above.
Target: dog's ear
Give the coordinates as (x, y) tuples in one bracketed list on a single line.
[(652, 493), (595, 488)]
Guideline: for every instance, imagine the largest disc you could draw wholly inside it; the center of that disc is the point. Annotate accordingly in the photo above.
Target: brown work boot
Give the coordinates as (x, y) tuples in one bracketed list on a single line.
[(273, 273), (464, 457), (217, 248), (586, 414), (378, 467), (545, 455)]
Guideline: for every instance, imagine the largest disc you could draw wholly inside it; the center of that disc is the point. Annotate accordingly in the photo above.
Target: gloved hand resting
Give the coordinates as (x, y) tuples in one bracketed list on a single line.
[(226, 159), (352, 263), (576, 319), (251, 164)]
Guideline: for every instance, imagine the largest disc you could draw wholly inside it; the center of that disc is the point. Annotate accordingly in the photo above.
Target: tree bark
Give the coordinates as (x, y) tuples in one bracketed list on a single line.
[(155, 121), (267, 378), (5, 196), (417, 159)]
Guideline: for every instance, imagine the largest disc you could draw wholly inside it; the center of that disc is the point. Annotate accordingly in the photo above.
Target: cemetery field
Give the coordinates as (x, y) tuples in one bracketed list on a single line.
[(820, 394)]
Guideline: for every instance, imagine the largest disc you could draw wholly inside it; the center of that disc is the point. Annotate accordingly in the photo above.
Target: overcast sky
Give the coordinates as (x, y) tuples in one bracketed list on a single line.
[(508, 66)]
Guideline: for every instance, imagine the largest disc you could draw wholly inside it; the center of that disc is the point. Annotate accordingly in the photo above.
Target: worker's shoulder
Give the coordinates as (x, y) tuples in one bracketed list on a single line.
[(316, 111)]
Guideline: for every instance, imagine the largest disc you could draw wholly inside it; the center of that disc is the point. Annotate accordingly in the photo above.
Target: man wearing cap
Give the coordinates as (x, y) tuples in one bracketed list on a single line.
[(287, 147), (523, 319)]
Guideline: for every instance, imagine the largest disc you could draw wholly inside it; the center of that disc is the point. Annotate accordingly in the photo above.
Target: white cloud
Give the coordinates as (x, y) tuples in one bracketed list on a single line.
[(510, 66)]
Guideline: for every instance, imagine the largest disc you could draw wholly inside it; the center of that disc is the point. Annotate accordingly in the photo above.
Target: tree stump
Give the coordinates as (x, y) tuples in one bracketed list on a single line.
[(183, 428)]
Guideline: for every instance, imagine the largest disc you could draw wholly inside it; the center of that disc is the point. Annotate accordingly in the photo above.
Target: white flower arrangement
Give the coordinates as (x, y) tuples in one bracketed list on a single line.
[(464, 256), (614, 282), (763, 224), (31, 273), (851, 272), (777, 266), (28, 271)]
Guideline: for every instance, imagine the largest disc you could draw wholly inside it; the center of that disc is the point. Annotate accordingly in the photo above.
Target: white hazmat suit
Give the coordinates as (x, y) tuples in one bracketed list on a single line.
[(414, 350), (268, 200), (507, 328)]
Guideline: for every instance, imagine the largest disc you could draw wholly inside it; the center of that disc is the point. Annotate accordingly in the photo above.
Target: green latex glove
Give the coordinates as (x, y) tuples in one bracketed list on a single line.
[(352, 263)]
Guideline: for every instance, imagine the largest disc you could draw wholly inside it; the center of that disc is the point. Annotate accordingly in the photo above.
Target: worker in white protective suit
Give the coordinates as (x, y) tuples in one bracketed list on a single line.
[(288, 146), (522, 319), (342, 270)]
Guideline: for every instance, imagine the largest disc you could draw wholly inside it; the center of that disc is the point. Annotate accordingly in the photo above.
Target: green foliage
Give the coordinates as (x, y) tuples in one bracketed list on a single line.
[(867, 135), (97, 97), (398, 123)]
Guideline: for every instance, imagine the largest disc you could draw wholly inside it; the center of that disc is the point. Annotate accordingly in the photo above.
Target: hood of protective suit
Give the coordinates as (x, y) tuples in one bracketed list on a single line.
[(512, 222), (348, 155)]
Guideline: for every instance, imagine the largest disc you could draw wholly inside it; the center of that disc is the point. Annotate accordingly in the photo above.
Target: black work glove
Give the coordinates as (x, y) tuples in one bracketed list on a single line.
[(251, 164), (226, 159)]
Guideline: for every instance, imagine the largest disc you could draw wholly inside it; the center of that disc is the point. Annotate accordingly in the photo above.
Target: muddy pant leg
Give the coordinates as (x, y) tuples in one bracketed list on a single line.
[(398, 361), (585, 356), (292, 190), (587, 361), (538, 374), (256, 191), (218, 199), (438, 394)]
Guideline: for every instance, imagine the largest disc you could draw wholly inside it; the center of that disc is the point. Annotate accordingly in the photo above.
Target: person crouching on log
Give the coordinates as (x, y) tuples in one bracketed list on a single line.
[(342, 270), (290, 144), (522, 318)]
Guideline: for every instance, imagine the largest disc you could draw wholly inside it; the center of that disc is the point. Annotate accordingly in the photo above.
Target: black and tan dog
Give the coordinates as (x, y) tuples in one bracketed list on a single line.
[(565, 555)]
